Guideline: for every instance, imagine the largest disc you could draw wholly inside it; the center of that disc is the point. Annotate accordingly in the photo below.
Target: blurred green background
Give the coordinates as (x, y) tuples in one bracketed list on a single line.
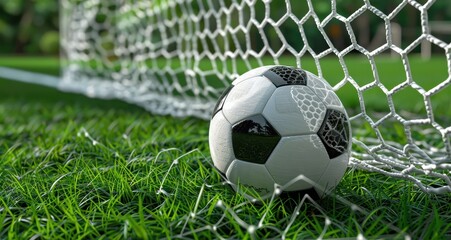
[(30, 27)]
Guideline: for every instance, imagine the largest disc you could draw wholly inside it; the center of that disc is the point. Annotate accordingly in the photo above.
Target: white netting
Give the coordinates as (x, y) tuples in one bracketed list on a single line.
[(214, 213), (176, 57)]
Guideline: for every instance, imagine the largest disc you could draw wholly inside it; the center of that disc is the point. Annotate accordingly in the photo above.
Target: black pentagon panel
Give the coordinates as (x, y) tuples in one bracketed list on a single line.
[(254, 139), (283, 75), (221, 101), (334, 133)]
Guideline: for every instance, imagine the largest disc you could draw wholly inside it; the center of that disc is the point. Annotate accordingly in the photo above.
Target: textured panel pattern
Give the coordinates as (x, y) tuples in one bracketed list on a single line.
[(254, 139), (316, 142), (286, 76), (324, 91), (334, 133), (310, 105)]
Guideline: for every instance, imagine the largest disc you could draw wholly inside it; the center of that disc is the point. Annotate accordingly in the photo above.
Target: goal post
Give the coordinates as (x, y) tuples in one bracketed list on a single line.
[(176, 57)]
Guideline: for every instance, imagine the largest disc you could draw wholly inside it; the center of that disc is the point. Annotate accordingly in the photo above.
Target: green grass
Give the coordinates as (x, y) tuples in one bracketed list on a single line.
[(71, 166), (49, 65)]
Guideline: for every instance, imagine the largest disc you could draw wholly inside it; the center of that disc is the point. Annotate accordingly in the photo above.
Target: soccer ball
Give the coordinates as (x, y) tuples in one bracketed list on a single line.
[(280, 126)]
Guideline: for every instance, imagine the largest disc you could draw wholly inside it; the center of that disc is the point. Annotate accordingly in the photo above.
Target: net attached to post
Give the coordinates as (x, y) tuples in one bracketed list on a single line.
[(176, 57)]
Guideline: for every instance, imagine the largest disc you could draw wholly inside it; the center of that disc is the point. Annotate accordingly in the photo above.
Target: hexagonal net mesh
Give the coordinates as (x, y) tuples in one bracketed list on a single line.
[(176, 57)]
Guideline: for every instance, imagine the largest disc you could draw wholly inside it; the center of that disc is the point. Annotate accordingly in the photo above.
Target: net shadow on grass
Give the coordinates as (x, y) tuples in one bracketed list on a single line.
[(233, 215)]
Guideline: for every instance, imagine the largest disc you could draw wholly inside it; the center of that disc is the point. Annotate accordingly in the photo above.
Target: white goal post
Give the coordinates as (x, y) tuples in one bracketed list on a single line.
[(177, 56)]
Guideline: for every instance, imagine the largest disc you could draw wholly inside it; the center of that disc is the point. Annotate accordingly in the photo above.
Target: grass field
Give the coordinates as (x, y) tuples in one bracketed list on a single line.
[(71, 166)]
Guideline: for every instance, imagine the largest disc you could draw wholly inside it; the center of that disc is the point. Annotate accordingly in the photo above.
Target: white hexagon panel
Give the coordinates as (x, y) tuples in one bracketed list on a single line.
[(295, 156), (252, 175), (247, 98), (333, 174), (220, 141), (295, 110), (252, 73)]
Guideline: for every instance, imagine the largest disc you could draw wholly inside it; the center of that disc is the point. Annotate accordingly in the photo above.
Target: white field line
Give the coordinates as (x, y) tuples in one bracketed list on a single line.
[(29, 77)]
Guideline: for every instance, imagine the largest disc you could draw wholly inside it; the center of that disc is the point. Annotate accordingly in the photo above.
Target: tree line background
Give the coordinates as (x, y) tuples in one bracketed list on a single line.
[(31, 26)]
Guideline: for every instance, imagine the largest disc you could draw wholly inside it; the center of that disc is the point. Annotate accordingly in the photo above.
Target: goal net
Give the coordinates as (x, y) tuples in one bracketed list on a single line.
[(176, 57)]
